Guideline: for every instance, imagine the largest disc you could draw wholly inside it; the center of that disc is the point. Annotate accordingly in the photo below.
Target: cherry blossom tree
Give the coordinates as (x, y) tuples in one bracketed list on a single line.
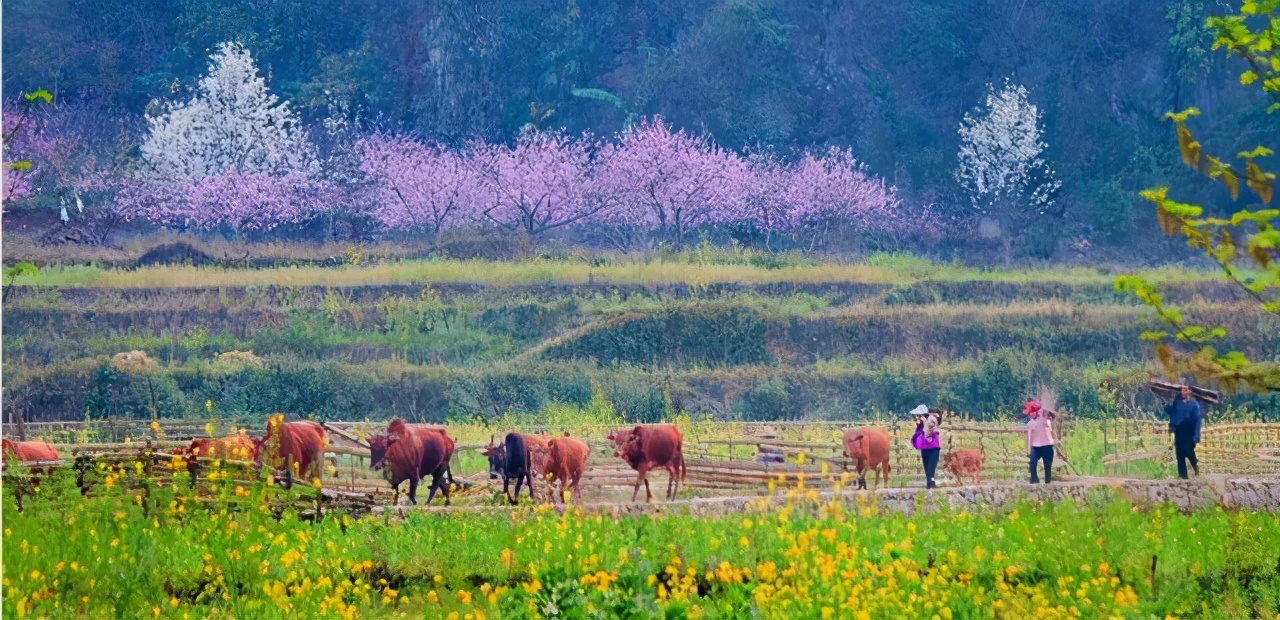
[(763, 194), (1002, 164), (670, 181), (415, 185), (70, 157), (234, 154), (832, 190), (16, 168), (536, 185)]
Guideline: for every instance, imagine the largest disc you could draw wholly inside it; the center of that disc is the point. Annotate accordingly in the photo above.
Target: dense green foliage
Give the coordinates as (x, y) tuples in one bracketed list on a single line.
[(136, 547)]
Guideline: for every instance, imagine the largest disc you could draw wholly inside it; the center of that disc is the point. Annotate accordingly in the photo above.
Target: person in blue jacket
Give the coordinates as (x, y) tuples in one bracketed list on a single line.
[(1185, 420)]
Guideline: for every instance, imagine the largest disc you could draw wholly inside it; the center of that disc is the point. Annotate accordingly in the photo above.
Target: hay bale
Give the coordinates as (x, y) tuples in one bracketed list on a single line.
[(240, 358), (134, 362)]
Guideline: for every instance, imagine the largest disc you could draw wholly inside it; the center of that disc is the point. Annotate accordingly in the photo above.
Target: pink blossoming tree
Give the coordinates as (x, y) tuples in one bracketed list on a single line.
[(415, 185), (826, 192), (764, 196), (71, 159), (670, 181), (541, 183), (17, 169)]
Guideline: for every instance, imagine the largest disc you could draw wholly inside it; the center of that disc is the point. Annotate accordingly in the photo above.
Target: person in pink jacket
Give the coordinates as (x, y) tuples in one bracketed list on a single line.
[(1039, 440)]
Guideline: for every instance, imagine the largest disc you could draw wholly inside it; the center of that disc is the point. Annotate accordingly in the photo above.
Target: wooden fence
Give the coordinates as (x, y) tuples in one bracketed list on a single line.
[(1232, 448), (728, 456)]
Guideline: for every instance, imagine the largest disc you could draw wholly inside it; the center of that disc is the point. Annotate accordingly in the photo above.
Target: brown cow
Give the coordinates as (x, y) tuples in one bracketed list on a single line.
[(29, 451), (238, 447), (619, 439), (300, 444), (539, 447), (869, 449), (650, 446), (412, 452), (566, 460), (964, 462)]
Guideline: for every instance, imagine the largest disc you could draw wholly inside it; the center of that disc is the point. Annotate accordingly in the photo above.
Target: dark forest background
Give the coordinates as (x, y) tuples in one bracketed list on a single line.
[(889, 78)]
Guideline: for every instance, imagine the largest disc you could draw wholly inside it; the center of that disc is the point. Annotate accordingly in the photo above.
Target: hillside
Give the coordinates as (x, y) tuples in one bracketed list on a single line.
[(439, 340)]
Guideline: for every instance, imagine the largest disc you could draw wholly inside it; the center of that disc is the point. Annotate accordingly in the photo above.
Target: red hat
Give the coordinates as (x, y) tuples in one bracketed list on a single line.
[(1031, 407)]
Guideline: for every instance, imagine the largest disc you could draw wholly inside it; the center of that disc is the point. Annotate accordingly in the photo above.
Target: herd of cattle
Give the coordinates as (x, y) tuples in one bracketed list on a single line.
[(413, 452)]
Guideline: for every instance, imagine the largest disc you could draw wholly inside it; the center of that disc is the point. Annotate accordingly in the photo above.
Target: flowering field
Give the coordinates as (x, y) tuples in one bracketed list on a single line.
[(136, 548)]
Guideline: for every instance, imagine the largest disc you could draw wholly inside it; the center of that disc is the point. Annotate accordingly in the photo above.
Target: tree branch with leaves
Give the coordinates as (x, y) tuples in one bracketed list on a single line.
[(1245, 246)]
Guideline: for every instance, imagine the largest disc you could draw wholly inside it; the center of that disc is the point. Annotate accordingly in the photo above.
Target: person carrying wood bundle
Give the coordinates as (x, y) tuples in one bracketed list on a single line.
[(1040, 440), (928, 441), (1185, 422)]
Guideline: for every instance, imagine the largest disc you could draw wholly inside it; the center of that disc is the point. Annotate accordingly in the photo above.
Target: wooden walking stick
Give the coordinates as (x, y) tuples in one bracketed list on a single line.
[(1062, 455)]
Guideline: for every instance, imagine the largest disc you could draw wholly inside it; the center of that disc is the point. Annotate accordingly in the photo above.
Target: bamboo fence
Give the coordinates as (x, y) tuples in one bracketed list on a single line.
[(721, 457)]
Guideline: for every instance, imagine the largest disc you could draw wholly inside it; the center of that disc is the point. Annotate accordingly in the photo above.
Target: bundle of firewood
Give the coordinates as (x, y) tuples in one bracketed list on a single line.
[(1169, 390)]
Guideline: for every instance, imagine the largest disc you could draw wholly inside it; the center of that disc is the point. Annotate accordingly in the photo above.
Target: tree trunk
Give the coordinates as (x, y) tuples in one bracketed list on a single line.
[(15, 415), (155, 409)]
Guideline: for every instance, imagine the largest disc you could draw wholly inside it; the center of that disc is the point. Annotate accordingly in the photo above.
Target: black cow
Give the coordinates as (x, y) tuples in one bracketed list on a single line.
[(510, 459)]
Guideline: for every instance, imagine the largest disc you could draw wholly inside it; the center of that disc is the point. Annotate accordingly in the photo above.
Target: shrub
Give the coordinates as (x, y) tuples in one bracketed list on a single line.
[(770, 399), (133, 393), (707, 335)]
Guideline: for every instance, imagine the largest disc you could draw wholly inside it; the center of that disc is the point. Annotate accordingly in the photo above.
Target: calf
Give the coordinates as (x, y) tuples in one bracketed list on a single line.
[(412, 452), (869, 449), (511, 459), (964, 462), (299, 444), (566, 460), (238, 447), (648, 446), (29, 451)]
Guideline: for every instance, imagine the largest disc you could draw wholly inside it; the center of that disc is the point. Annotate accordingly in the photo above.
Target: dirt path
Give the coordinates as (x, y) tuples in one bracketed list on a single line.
[(1232, 492)]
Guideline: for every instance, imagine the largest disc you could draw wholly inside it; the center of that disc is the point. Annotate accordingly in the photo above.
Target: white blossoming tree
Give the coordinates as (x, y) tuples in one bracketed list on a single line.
[(1002, 167), (233, 155)]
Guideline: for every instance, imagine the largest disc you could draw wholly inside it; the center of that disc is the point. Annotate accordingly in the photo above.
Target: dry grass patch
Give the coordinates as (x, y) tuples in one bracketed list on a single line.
[(574, 272)]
